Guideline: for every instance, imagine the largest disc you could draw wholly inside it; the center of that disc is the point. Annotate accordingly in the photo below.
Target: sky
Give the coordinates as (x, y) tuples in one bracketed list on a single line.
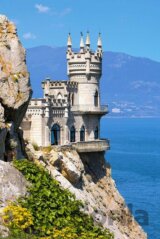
[(128, 26)]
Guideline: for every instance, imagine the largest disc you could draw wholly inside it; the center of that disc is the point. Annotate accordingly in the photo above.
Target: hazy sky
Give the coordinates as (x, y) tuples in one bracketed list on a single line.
[(130, 26)]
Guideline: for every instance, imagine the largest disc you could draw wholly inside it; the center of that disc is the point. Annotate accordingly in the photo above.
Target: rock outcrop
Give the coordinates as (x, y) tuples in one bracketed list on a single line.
[(89, 178), (12, 186), (15, 90)]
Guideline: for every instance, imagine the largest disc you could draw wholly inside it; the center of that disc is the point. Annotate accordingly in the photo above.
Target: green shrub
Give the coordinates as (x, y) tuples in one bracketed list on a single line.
[(12, 143), (35, 146), (54, 210)]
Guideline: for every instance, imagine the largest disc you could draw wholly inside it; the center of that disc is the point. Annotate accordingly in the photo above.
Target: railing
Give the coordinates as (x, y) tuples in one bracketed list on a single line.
[(90, 108)]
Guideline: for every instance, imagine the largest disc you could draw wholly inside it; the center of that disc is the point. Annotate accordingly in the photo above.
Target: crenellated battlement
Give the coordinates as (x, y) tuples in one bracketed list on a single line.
[(85, 62)]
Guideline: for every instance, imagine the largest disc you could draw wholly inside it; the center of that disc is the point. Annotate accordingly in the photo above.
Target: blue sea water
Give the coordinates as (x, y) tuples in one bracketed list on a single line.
[(135, 160)]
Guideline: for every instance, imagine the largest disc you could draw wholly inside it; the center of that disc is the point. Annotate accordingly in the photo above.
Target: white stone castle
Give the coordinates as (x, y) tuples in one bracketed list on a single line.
[(70, 111)]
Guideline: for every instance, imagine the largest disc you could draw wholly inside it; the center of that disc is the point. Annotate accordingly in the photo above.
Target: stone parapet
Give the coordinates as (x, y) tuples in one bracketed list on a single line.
[(92, 146), (90, 109)]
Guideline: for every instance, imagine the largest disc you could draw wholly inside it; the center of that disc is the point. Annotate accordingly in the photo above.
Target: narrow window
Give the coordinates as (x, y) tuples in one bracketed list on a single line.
[(82, 134), (96, 99), (55, 134), (72, 99), (69, 98), (72, 134), (96, 133)]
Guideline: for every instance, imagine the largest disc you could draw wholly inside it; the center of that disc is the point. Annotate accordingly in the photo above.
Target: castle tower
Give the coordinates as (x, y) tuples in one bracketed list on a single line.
[(85, 68)]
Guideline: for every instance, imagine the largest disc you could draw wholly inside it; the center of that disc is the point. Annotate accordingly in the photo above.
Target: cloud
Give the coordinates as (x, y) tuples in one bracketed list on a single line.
[(15, 21), (29, 36), (41, 8), (116, 110), (65, 12), (45, 9)]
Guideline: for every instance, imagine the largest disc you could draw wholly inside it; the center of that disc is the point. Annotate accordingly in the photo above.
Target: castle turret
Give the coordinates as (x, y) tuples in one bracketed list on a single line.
[(99, 46), (69, 50), (88, 43), (85, 65), (81, 44), (99, 43), (69, 42), (85, 68)]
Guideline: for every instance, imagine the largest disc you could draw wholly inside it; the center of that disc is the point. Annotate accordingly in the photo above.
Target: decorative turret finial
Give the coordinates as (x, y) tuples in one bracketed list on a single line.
[(88, 40), (69, 42), (81, 41), (99, 44)]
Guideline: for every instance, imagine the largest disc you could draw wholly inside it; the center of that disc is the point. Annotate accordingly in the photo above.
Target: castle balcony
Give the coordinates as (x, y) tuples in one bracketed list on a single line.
[(90, 109), (98, 145)]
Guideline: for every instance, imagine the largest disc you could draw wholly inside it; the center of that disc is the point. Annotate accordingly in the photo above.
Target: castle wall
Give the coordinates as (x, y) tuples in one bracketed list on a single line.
[(26, 126), (90, 122), (86, 93), (37, 130)]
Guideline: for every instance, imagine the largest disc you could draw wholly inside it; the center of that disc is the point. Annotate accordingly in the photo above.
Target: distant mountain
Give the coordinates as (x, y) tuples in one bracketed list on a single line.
[(130, 85)]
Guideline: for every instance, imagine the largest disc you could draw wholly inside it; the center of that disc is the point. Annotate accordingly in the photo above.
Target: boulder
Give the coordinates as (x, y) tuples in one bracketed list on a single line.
[(12, 184)]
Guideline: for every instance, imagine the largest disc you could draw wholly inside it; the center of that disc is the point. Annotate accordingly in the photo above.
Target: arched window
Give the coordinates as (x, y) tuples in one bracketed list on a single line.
[(96, 133), (72, 134), (55, 134), (96, 99), (82, 134)]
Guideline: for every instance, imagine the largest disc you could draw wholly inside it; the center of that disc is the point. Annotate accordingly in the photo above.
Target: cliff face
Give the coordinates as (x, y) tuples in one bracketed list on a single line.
[(15, 90), (89, 178)]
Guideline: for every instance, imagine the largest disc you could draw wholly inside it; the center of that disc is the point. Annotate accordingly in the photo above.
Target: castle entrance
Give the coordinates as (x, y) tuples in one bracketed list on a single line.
[(55, 134)]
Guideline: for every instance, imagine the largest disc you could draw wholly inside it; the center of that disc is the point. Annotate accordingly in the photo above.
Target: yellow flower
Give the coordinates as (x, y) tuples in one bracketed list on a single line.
[(17, 216)]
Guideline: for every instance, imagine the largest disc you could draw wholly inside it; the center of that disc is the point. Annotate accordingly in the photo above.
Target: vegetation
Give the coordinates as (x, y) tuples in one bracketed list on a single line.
[(47, 149), (12, 143), (35, 146), (17, 217), (20, 235), (48, 211)]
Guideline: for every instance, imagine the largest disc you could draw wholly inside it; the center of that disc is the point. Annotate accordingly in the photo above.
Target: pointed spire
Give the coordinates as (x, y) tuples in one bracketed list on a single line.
[(99, 44), (88, 39), (69, 42), (81, 41)]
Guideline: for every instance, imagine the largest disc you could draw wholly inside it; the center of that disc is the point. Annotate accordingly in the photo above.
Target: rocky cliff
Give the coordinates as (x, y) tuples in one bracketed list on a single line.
[(88, 176), (15, 90)]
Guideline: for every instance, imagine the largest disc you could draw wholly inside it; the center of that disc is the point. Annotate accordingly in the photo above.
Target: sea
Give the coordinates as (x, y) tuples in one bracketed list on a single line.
[(134, 156)]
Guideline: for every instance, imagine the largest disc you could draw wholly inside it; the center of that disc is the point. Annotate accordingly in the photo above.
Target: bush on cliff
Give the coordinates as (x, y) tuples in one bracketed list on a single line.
[(55, 211)]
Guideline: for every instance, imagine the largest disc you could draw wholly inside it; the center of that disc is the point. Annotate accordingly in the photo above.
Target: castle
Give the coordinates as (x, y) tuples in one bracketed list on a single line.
[(70, 111)]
